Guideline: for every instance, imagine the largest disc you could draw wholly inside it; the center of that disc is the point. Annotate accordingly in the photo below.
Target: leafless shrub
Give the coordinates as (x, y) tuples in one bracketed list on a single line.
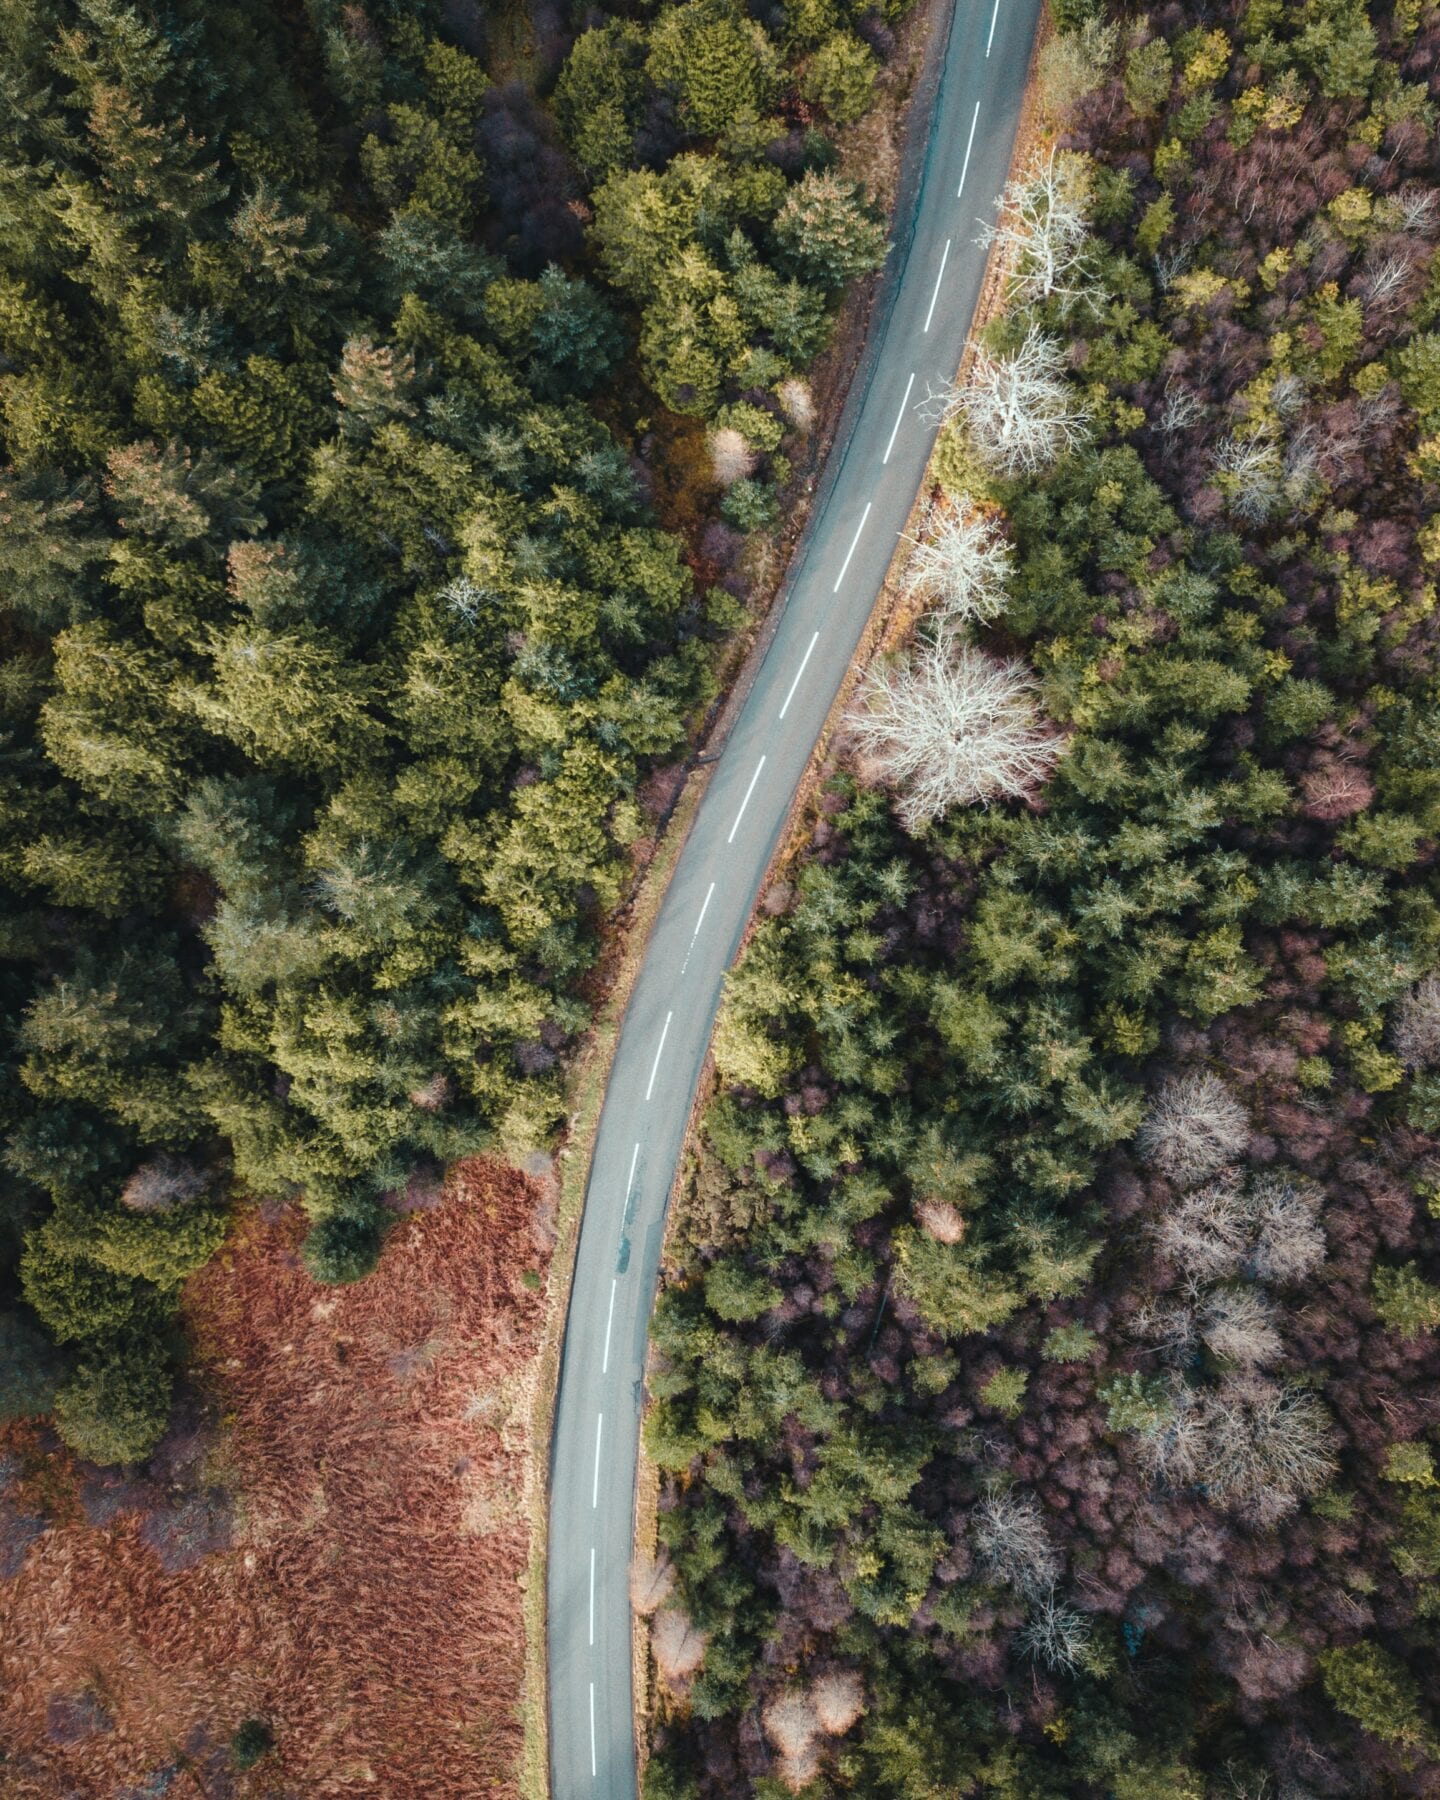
[(963, 563), (1020, 411), (651, 1584), (1055, 1634), (1289, 1243), (678, 1648), (163, 1183), (731, 457), (838, 1699), (1193, 1126), (1415, 1029), (1238, 1325), (950, 727), (1013, 1543), (944, 1222)]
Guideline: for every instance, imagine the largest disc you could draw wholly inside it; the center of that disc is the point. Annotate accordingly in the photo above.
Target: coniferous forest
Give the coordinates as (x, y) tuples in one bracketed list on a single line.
[(1046, 1373), (347, 606)]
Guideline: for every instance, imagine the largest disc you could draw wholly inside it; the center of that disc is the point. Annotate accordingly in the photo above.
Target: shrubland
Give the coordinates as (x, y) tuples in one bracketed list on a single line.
[(1048, 1343)]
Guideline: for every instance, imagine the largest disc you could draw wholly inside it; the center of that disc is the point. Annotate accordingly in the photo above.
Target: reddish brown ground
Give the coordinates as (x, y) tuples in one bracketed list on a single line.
[(369, 1473)]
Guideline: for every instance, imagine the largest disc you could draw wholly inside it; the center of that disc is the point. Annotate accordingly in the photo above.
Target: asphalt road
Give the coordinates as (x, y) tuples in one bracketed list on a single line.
[(933, 289)]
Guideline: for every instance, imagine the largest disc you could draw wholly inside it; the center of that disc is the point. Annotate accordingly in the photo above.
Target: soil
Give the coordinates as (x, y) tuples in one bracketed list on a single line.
[(332, 1538)]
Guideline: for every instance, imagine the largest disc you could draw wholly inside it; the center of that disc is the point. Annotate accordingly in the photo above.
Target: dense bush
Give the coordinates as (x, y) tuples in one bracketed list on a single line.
[(1051, 1341)]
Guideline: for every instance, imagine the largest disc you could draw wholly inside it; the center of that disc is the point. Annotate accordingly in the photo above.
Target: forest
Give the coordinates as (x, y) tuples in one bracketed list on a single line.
[(1045, 1376), (349, 355)]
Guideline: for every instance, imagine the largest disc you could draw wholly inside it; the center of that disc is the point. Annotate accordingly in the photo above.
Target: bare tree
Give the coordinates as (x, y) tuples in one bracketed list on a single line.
[(1206, 1236), (1289, 1243), (1192, 1127), (798, 402), (792, 1727), (1251, 474), (964, 564), (678, 1648), (163, 1183), (1013, 1543), (1182, 409), (1040, 226), (1382, 286), (731, 457), (1020, 411), (1417, 208), (1265, 1443), (944, 1222), (950, 726), (1415, 1029), (1238, 1326), (838, 1699), (1055, 1634), (651, 1584)]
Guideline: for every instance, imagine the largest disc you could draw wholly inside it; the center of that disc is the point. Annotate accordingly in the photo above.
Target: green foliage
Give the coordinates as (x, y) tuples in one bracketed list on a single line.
[(1375, 1690), (114, 1408), (1407, 1303)]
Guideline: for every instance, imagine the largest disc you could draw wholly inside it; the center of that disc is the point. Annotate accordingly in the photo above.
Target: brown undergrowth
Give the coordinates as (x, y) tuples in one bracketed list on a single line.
[(332, 1540)]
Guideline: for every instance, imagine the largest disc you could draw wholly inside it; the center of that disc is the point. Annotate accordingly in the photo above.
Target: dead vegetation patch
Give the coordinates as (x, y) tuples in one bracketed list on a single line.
[(331, 1540)]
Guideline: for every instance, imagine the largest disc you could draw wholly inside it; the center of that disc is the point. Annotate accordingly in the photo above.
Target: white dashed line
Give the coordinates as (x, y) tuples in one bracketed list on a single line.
[(749, 791), (938, 279), (853, 542), (993, 17), (630, 1179), (705, 907), (592, 1596), (595, 1485), (605, 1365), (969, 146), (895, 430), (801, 670), (594, 1766), (655, 1067)]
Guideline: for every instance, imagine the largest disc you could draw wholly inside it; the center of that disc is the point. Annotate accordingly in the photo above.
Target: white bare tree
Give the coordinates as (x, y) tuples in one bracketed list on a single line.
[(963, 563), (1193, 1126), (1415, 1030), (1183, 408), (1417, 208), (1289, 1243), (1382, 286), (1040, 225), (1013, 1543), (731, 457), (1020, 411), (838, 1699), (1207, 1235), (1251, 476), (1055, 1634), (1265, 1443), (949, 726), (1238, 1326)]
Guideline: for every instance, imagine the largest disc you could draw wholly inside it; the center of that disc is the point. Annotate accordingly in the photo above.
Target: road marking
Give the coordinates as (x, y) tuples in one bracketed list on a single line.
[(751, 789), (970, 142), (655, 1068), (630, 1179), (594, 1767), (854, 541), (605, 1365), (592, 1595), (595, 1486), (703, 910), (938, 279), (804, 660), (993, 17), (896, 430)]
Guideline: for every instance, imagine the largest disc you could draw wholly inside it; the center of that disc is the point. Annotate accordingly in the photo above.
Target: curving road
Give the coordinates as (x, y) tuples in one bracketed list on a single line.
[(932, 285)]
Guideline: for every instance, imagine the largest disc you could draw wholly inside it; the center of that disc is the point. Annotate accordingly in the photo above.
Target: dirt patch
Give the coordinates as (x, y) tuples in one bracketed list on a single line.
[(333, 1541)]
